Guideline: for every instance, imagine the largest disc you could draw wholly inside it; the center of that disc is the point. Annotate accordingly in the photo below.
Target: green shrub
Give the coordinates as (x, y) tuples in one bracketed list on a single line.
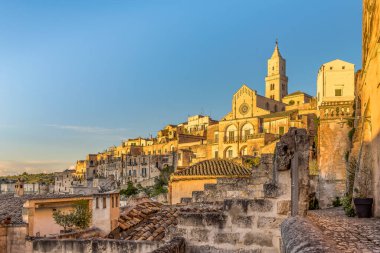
[(131, 190), (347, 206), (336, 202)]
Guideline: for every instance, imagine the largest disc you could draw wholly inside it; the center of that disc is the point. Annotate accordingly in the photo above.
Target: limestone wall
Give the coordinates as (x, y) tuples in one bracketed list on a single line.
[(368, 93), (247, 217), (12, 239), (93, 246), (333, 144)]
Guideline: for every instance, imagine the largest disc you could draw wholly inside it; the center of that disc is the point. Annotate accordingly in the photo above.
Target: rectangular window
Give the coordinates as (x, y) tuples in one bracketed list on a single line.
[(230, 153), (216, 137), (338, 92), (281, 130), (112, 202), (179, 156), (97, 202), (231, 135), (104, 202), (117, 201), (216, 155)]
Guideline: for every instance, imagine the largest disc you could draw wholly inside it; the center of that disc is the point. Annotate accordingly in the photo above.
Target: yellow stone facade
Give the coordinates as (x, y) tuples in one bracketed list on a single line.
[(367, 134), (254, 123)]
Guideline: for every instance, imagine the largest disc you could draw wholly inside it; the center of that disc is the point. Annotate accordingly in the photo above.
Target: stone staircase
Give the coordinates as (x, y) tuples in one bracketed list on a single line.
[(234, 215)]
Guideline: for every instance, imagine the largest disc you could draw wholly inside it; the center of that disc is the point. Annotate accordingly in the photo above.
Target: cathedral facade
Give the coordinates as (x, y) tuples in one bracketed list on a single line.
[(256, 121)]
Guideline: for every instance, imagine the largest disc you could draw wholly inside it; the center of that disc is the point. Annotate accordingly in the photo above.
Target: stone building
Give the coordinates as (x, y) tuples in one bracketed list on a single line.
[(256, 121), (276, 81), (63, 181), (335, 98), (251, 128), (336, 82), (183, 183), (26, 217), (366, 141)]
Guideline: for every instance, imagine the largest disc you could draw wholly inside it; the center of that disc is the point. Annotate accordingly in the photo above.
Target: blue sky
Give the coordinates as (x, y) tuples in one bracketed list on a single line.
[(79, 76)]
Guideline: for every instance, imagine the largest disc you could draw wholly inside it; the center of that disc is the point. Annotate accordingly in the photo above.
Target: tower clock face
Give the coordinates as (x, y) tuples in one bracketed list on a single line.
[(244, 108)]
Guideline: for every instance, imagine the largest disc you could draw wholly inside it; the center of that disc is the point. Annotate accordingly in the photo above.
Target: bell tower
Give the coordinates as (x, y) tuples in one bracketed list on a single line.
[(276, 81)]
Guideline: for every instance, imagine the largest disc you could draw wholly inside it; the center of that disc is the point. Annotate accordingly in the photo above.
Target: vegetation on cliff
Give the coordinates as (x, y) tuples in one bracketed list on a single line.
[(47, 178)]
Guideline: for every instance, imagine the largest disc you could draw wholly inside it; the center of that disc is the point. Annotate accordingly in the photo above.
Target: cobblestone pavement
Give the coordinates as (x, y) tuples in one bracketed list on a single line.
[(349, 234)]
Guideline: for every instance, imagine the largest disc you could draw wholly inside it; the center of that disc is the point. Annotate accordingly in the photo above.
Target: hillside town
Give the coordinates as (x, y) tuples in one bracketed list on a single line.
[(280, 172)]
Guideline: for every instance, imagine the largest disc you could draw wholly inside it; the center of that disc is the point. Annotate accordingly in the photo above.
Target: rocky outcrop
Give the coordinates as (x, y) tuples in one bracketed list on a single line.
[(300, 235), (292, 153)]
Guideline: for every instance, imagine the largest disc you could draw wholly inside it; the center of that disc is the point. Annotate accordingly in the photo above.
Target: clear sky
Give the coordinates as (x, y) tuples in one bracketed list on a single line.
[(79, 76)]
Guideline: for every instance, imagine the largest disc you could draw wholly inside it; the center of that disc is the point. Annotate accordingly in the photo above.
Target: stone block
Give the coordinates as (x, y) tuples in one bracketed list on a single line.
[(284, 207), (258, 239), (190, 219), (269, 222), (230, 238), (271, 190), (199, 235), (261, 205), (197, 196), (215, 219), (242, 221), (186, 200)]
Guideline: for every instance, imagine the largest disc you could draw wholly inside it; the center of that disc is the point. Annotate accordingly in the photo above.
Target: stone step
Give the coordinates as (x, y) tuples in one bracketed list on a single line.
[(249, 205)]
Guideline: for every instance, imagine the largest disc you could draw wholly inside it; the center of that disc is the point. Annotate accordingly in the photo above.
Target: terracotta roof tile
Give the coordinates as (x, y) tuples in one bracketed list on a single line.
[(215, 167), (153, 226)]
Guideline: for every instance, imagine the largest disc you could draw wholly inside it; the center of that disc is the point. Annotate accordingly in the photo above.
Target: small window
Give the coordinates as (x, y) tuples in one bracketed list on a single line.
[(97, 202), (104, 202), (338, 92), (112, 202), (331, 68), (343, 67), (117, 201)]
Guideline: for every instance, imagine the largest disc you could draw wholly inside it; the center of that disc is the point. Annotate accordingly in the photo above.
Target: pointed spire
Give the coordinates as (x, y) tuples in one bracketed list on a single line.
[(276, 52)]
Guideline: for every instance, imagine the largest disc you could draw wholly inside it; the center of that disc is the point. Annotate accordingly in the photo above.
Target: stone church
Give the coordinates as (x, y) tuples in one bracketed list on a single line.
[(255, 120)]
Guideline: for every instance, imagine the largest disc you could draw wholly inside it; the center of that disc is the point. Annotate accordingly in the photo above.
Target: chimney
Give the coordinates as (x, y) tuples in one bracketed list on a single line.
[(19, 188)]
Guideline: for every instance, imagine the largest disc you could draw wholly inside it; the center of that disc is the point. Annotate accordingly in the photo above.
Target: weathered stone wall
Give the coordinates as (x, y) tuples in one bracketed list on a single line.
[(94, 246), (12, 239), (176, 245), (368, 96), (248, 217), (333, 145)]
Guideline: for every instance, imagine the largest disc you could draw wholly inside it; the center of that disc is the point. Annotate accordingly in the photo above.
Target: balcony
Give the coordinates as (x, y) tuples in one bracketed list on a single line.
[(229, 139)]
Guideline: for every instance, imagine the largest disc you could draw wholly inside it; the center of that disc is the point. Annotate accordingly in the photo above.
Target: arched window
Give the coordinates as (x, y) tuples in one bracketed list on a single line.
[(275, 108), (230, 134), (229, 153), (291, 102), (247, 131), (267, 106)]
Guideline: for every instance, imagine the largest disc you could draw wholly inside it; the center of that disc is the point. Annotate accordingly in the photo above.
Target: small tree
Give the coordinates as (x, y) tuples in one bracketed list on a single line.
[(65, 220), (82, 215)]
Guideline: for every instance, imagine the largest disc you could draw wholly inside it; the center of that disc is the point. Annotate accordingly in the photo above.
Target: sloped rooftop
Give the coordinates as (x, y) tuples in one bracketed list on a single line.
[(151, 220), (215, 167), (11, 205)]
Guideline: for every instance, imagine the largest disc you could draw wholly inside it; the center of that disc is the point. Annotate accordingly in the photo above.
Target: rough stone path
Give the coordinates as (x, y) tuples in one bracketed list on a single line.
[(349, 234)]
